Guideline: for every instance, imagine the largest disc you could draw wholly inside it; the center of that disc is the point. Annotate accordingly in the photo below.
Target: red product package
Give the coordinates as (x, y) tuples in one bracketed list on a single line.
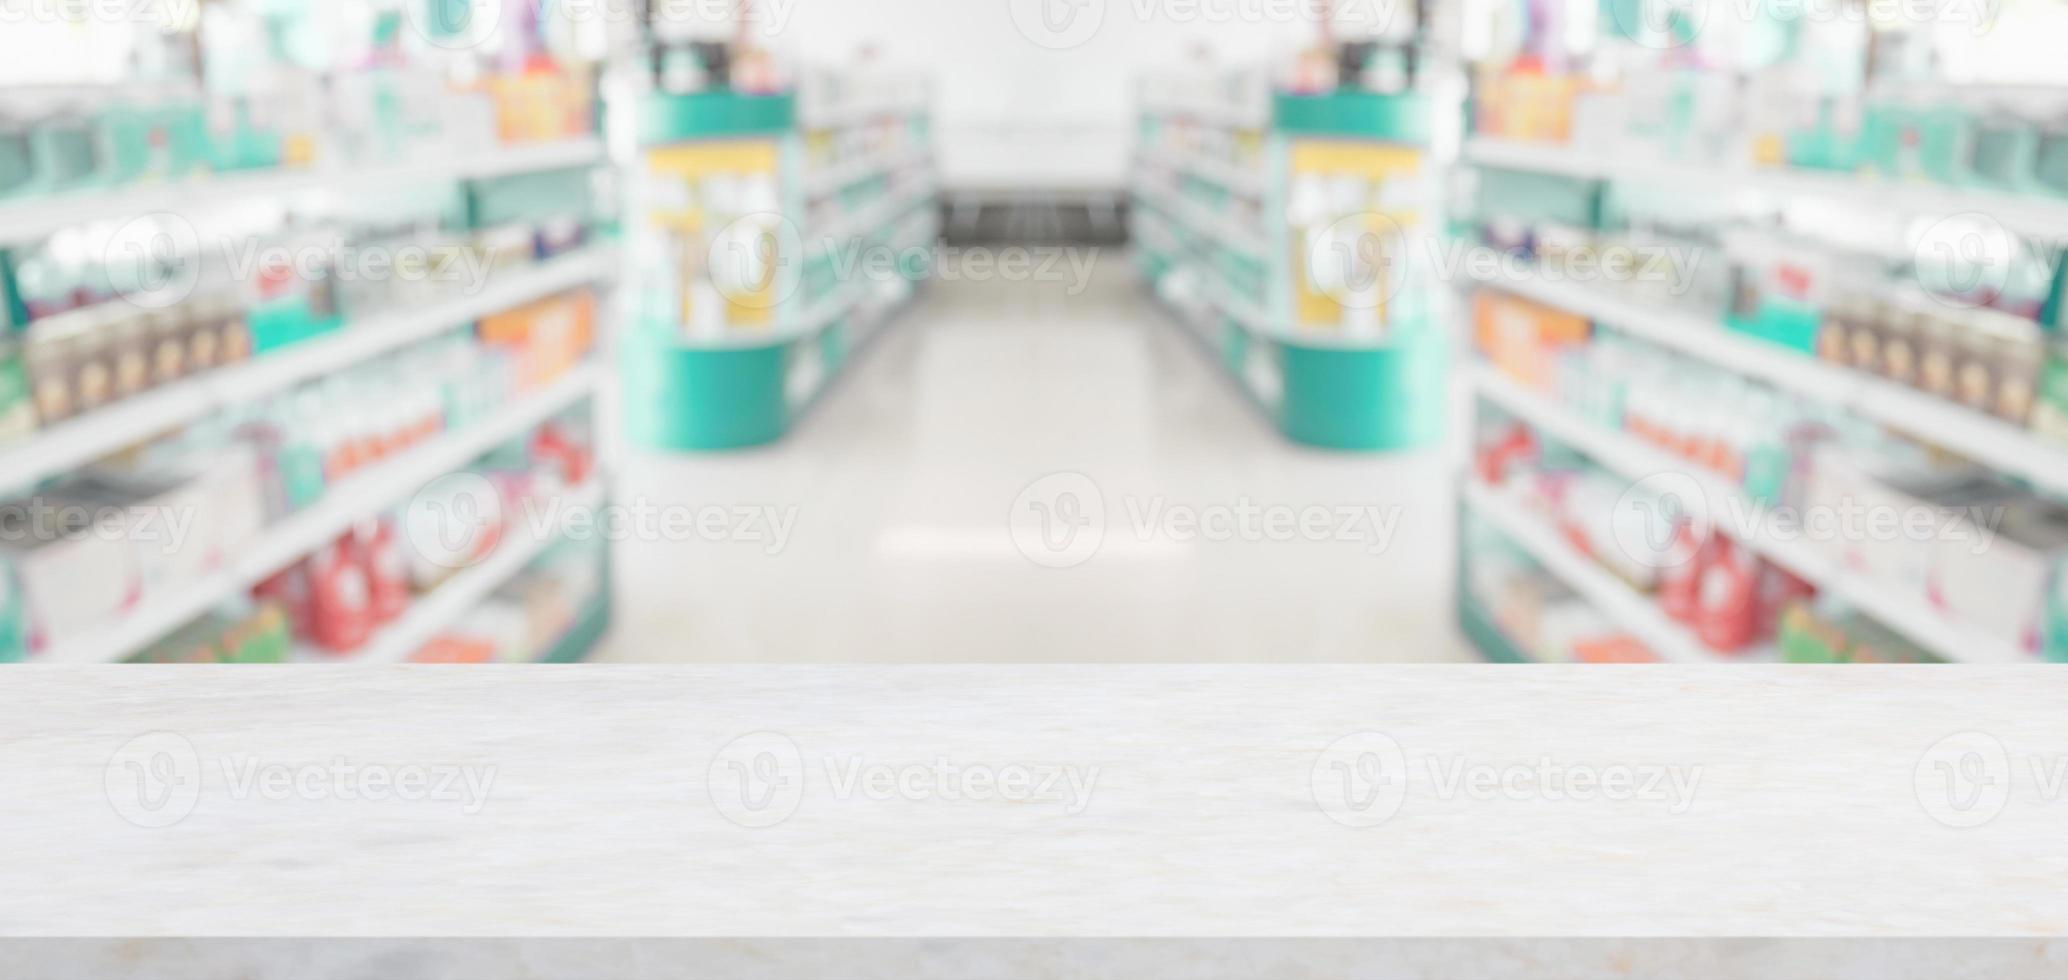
[(377, 548), (340, 599), (553, 447), (1728, 619), (1680, 579)]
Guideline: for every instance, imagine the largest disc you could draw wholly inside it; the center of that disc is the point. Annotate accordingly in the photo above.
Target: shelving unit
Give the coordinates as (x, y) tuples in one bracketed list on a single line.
[(41, 217), (2022, 214), (744, 384), (76, 443), (1226, 259), (1672, 642), (439, 610), (70, 445), (342, 506), (1987, 441), (1626, 455)]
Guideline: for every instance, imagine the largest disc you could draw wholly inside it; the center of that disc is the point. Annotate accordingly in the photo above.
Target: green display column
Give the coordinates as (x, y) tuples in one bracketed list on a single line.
[(697, 399), (1373, 399)]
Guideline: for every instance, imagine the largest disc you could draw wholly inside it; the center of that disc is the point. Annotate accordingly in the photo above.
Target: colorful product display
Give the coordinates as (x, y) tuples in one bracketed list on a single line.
[(1977, 551), (1729, 599), (1813, 636), (87, 347), (258, 635), (529, 616), (1540, 616), (339, 598), (712, 261), (151, 522), (271, 91)]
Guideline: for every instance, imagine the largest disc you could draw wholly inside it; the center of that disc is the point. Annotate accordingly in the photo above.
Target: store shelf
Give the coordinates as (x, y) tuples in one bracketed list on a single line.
[(342, 505), (870, 219), (1986, 440), (860, 113), (1228, 232), (1625, 606), (1635, 460), (39, 217), (74, 443), (432, 614), (854, 172), (2031, 215), (895, 215), (1225, 115), (1245, 183)]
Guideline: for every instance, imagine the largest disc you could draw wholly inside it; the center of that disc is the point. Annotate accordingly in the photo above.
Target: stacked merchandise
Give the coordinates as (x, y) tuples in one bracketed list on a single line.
[(1727, 596), (1662, 81), (773, 232), (1977, 551), (87, 343), (1870, 255), (259, 267), (336, 601), (92, 548), (253, 86), (1540, 617), (1291, 219), (530, 617)]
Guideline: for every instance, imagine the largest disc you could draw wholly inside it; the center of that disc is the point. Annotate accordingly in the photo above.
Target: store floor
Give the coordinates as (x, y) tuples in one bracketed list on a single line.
[(902, 481)]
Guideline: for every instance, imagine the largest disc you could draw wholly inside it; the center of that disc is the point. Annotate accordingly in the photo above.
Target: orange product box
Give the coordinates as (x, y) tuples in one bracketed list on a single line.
[(540, 106), (1618, 649), (1520, 337), (455, 649), (549, 337)]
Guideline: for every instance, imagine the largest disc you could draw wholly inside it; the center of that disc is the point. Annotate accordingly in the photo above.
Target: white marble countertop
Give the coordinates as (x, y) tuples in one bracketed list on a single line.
[(604, 802)]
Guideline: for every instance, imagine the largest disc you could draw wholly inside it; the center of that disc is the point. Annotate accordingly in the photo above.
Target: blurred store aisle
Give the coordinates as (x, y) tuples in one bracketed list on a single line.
[(899, 490)]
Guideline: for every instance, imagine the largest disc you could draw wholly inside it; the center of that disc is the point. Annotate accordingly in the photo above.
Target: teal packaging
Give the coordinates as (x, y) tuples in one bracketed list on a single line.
[(70, 152), (2055, 628), (1915, 142), (237, 143), (1999, 153), (156, 142), (1832, 140), (14, 625), (17, 162), (2050, 161)]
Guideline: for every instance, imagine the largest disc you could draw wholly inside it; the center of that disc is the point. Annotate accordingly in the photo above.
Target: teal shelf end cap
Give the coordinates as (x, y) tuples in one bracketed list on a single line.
[(667, 119), (1383, 400), (685, 400), (1355, 115)]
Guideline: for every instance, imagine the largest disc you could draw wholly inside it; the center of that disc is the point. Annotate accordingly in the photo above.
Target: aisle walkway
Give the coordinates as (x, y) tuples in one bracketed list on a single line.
[(903, 483)]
